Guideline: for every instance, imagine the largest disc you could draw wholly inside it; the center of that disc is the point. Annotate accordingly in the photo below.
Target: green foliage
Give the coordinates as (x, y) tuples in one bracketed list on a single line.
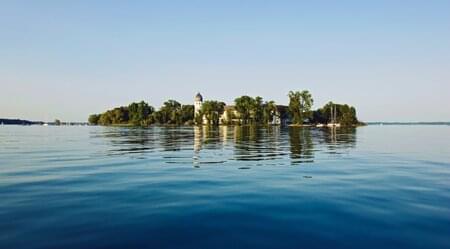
[(255, 110), (345, 114), (187, 113), (212, 110), (250, 109), (158, 117), (172, 112), (258, 110), (93, 119), (142, 114), (300, 104), (133, 114), (269, 111), (138, 113), (244, 105)]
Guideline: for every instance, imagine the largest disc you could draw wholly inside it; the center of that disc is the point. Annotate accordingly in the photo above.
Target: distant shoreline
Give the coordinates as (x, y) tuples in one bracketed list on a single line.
[(408, 123), (9, 121)]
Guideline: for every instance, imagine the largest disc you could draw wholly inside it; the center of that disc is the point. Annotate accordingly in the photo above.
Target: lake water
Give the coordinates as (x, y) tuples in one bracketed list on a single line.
[(228, 187)]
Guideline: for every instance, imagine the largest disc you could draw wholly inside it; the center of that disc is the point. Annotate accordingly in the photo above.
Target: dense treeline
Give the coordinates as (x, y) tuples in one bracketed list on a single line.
[(345, 114), (142, 114), (255, 110), (246, 110)]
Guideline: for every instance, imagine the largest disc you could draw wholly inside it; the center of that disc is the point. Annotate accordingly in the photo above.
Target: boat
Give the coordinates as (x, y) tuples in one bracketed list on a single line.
[(334, 125)]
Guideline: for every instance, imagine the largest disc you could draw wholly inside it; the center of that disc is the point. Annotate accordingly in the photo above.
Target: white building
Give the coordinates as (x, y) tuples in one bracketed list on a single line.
[(198, 101)]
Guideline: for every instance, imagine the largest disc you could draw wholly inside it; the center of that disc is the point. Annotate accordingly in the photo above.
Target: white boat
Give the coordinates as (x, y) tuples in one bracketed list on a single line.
[(334, 125), (320, 125)]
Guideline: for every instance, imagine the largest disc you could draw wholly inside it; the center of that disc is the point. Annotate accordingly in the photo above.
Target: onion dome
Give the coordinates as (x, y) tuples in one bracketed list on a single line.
[(198, 97)]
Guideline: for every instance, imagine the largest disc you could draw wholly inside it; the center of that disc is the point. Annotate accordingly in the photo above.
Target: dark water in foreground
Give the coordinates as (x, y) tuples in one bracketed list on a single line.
[(235, 187)]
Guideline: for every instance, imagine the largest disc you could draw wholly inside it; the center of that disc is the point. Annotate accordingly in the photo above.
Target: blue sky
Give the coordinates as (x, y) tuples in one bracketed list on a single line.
[(67, 59)]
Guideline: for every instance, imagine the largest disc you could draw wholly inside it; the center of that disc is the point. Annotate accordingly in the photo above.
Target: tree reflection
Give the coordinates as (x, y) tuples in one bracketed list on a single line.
[(221, 144), (174, 138), (253, 143), (127, 140), (302, 148), (339, 138)]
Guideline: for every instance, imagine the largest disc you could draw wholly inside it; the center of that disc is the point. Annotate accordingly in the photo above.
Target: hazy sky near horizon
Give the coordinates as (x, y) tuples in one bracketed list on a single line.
[(68, 59)]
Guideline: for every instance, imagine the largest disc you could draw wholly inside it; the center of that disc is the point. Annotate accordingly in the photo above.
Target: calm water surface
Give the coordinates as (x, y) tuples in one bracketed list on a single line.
[(228, 187)]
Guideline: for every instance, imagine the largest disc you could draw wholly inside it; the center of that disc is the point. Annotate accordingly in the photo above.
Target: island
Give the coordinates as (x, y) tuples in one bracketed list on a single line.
[(246, 110)]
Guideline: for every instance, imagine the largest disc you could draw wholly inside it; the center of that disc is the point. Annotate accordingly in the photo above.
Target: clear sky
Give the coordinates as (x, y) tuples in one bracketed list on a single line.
[(68, 59)]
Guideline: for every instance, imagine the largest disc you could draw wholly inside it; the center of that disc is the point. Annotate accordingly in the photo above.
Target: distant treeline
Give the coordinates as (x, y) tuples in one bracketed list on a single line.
[(246, 110), (6, 121)]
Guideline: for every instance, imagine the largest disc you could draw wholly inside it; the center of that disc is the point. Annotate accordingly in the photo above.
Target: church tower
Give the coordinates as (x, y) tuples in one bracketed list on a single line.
[(198, 101)]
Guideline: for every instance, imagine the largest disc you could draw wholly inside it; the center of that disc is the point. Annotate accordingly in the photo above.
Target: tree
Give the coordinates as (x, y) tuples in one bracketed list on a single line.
[(120, 115), (158, 117), (93, 119), (269, 111), (245, 106), (187, 113), (345, 114), (105, 119), (294, 106), (212, 110), (57, 122), (170, 112), (139, 112), (134, 113), (258, 110), (300, 104)]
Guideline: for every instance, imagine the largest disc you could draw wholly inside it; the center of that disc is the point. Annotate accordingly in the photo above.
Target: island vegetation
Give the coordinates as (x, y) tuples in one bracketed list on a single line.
[(246, 110)]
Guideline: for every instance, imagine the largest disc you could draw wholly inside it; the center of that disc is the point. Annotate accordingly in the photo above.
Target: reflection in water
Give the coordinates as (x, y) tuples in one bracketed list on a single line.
[(207, 145), (338, 139), (127, 140), (253, 143), (301, 145)]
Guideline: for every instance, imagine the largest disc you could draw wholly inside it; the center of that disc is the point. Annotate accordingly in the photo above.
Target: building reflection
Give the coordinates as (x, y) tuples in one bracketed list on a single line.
[(198, 138)]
